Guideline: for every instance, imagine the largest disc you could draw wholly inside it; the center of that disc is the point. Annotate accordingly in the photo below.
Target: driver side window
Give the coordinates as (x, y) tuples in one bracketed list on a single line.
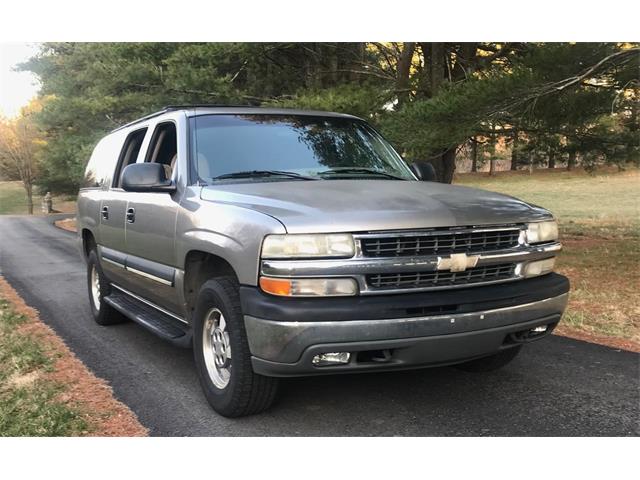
[(163, 148)]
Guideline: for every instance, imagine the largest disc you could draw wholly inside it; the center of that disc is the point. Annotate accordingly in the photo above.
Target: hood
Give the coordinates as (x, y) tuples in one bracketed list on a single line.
[(368, 205)]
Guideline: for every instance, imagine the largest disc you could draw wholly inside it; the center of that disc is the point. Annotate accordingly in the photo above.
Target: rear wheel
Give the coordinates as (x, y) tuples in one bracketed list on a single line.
[(99, 287), (222, 356), (491, 363)]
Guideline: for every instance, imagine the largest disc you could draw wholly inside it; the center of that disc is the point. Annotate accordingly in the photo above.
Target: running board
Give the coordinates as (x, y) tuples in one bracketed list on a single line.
[(163, 325)]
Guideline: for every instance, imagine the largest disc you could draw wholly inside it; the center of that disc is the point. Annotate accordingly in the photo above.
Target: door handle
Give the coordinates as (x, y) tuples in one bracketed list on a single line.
[(105, 212), (131, 215)]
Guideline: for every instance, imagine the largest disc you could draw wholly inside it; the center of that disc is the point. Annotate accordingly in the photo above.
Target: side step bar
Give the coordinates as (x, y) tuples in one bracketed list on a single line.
[(163, 325)]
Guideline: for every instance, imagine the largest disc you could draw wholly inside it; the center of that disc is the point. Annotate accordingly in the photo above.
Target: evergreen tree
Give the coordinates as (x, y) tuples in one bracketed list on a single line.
[(573, 101)]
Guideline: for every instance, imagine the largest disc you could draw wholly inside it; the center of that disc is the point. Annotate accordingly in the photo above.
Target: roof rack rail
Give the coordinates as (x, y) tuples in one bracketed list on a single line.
[(170, 108), (208, 105), (138, 120)]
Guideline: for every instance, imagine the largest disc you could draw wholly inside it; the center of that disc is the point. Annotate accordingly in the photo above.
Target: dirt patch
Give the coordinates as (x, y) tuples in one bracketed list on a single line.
[(68, 224), (20, 381), (106, 416)]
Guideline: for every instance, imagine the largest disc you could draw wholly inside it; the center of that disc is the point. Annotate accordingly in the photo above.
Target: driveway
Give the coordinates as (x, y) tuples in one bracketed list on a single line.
[(557, 386)]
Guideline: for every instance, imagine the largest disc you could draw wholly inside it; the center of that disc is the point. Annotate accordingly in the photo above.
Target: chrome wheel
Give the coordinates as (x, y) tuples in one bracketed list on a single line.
[(95, 287), (216, 348)]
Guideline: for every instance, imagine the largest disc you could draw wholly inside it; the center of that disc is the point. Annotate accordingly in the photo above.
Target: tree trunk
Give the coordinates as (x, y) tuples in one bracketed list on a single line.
[(333, 64), (514, 151), (310, 66), (474, 154), (445, 162), (445, 165), (571, 162), (29, 189), (437, 67), (633, 126), (467, 61), (425, 75), (403, 73), (360, 50), (552, 159), (433, 76), (492, 166), (532, 160)]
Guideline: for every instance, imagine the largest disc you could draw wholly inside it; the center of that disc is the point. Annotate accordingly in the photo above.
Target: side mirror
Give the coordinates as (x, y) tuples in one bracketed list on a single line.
[(424, 171), (146, 177)]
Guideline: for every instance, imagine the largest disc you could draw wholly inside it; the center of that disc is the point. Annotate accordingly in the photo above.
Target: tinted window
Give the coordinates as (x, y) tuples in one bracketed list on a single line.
[(163, 148), (103, 161), (129, 153), (308, 145)]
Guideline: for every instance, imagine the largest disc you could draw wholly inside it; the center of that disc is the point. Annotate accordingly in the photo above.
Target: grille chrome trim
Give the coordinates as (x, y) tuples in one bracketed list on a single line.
[(438, 242), (416, 233), (487, 273)]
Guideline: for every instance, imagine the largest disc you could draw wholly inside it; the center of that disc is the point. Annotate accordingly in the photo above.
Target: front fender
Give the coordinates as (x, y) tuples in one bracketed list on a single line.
[(231, 232)]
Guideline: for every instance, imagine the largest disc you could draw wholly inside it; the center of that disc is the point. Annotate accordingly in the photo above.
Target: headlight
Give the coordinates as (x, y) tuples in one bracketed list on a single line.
[(308, 246), (542, 232), (309, 287)]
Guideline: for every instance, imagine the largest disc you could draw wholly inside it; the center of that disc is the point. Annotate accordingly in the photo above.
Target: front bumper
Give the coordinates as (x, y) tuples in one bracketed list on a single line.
[(285, 346)]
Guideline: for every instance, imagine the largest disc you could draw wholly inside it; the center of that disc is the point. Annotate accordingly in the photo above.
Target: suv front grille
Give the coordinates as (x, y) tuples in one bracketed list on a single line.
[(440, 243), (487, 273)]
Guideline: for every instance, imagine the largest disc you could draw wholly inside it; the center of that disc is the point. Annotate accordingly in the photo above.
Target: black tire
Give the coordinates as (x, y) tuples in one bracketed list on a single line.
[(491, 363), (103, 313), (246, 393)]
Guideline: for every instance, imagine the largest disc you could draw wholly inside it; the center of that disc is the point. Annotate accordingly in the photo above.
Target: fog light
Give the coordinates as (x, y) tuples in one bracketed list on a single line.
[(533, 269), (332, 358), (540, 329)]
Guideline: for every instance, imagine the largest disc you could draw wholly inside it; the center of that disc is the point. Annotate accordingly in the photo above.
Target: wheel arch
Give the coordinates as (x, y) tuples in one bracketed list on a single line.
[(88, 242), (200, 266)]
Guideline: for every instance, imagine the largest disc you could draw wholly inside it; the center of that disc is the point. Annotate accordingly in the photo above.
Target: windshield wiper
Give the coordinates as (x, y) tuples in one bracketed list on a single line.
[(262, 173), (356, 170)]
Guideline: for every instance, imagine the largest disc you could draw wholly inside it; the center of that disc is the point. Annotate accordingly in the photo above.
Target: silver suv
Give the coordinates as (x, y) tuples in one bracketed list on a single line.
[(284, 243)]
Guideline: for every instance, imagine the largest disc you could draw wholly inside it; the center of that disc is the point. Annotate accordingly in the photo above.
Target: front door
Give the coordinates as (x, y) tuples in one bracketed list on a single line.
[(151, 222)]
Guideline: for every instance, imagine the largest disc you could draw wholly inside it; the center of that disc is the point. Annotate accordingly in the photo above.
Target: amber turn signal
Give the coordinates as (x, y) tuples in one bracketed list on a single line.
[(276, 286)]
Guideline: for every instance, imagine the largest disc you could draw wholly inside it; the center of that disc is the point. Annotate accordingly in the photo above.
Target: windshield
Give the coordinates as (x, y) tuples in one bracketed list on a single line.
[(267, 147)]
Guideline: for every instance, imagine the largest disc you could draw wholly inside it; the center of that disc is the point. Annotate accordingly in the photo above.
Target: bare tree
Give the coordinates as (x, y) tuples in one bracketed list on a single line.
[(19, 142)]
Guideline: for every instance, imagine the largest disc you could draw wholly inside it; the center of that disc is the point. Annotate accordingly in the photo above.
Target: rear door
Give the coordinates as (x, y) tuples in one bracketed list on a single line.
[(150, 223), (113, 211)]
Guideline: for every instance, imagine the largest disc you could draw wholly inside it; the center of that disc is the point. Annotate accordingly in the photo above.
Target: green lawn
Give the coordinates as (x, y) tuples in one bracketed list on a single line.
[(12, 198), (13, 201), (599, 217), (606, 204), (30, 403)]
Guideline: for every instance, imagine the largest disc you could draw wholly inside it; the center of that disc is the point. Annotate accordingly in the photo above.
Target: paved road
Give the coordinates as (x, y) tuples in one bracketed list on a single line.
[(557, 386)]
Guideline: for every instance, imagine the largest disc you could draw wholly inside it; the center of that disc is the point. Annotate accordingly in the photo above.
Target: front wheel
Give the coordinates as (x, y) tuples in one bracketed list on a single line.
[(492, 362), (222, 356)]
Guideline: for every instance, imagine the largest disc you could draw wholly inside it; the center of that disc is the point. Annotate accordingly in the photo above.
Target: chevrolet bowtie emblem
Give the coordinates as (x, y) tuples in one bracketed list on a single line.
[(457, 262)]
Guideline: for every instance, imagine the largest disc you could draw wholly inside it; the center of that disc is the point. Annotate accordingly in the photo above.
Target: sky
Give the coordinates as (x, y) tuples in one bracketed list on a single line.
[(16, 88)]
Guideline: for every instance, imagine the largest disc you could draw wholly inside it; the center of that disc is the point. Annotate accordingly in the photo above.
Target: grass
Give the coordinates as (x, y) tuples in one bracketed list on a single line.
[(13, 201), (599, 217), (30, 403), (606, 204)]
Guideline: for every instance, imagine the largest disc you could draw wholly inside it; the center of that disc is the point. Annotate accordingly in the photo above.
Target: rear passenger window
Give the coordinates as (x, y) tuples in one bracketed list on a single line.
[(102, 163), (129, 153), (163, 148)]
